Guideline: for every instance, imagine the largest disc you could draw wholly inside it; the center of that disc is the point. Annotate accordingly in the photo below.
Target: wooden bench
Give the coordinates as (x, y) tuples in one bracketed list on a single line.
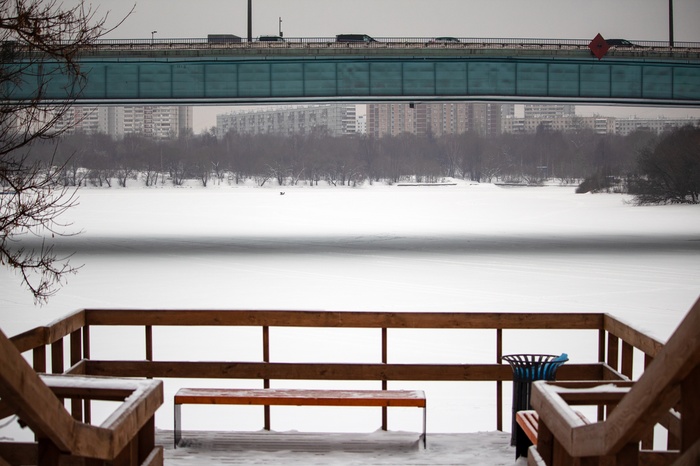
[(298, 397), (528, 423)]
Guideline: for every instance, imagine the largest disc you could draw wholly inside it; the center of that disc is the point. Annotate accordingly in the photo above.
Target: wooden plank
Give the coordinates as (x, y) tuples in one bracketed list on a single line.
[(19, 452), (30, 339), (626, 332), (657, 458), (57, 357), (690, 457), (528, 421), (627, 359), (154, 458), (499, 384), (343, 319), (39, 358), (298, 397), (323, 371), (613, 354), (656, 390), (36, 405), (690, 409)]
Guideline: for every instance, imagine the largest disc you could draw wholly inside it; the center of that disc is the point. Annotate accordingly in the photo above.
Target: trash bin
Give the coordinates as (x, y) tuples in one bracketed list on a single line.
[(526, 369)]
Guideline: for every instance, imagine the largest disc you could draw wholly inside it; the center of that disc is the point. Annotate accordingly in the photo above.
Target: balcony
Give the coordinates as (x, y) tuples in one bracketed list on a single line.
[(68, 349)]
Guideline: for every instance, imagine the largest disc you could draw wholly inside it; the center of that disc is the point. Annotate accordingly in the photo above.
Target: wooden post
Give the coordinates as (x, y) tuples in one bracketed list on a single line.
[(601, 359), (149, 343), (266, 382), (48, 454), (627, 360), (87, 404), (146, 439), (545, 443), (499, 383), (690, 409), (613, 342), (57, 357), (75, 357), (385, 359), (39, 358), (628, 456)]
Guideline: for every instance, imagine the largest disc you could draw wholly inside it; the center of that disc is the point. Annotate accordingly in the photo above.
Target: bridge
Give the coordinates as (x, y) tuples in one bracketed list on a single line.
[(237, 71)]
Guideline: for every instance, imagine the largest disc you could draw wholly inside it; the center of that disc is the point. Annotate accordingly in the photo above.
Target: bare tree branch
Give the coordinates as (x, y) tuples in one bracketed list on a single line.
[(40, 42)]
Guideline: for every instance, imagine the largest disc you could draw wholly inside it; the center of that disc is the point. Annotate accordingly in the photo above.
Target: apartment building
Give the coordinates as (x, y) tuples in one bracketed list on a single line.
[(625, 126), (437, 119), (157, 122), (335, 119)]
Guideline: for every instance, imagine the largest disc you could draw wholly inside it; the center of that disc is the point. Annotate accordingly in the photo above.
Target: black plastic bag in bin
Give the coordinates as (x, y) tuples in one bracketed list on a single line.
[(526, 369)]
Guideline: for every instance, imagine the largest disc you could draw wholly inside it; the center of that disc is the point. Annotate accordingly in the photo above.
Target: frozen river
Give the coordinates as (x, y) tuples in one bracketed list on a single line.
[(457, 248)]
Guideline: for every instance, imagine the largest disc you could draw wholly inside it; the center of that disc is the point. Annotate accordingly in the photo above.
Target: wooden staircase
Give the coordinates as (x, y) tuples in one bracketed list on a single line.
[(125, 438), (667, 393)]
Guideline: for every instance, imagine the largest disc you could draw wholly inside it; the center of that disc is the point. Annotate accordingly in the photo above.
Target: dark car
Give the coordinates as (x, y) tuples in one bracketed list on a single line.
[(445, 40), (620, 43), (354, 38), (270, 39)]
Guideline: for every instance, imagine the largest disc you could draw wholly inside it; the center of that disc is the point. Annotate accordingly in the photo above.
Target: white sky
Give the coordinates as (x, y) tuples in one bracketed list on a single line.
[(573, 19)]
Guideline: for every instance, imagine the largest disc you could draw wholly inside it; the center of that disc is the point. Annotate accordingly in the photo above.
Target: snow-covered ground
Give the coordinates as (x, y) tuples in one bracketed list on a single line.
[(458, 248)]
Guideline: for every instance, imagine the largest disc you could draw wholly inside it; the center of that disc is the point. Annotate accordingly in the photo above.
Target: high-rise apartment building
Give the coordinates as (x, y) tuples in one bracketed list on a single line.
[(436, 119), (336, 119), (157, 122)]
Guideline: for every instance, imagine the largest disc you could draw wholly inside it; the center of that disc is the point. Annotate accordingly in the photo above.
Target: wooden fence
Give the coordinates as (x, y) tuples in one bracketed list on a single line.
[(72, 334)]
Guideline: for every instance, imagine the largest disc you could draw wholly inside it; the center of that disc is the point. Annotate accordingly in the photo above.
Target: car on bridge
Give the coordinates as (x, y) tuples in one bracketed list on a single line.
[(621, 43), (270, 39), (445, 40), (354, 38)]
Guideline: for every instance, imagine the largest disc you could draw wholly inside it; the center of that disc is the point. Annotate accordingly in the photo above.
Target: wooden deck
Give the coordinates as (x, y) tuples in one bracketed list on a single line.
[(296, 448)]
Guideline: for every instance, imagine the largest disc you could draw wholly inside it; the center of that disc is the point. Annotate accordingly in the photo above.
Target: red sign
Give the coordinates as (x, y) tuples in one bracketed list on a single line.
[(598, 46)]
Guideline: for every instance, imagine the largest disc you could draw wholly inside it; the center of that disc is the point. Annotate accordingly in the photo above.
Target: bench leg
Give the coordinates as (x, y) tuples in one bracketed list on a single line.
[(177, 432), (522, 442), (425, 426)]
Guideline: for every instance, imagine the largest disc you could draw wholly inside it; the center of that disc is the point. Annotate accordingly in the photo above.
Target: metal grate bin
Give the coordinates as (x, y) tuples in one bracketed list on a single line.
[(526, 369)]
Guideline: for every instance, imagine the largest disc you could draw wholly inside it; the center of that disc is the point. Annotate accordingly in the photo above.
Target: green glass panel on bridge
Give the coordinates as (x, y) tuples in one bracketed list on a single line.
[(686, 82), (657, 82), (450, 79), (564, 80), (595, 80), (385, 79), (222, 80), (320, 79), (532, 79), (251, 80), (626, 81)]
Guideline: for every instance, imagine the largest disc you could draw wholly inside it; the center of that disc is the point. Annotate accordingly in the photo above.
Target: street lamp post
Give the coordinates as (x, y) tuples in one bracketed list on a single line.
[(250, 21), (670, 23), (153, 33)]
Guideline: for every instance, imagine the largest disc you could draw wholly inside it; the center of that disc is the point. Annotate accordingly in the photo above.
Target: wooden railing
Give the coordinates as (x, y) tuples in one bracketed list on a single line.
[(666, 394), (126, 437), (617, 342)]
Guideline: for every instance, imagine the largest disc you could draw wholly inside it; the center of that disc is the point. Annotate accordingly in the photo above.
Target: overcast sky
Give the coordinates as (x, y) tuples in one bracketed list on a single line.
[(572, 19)]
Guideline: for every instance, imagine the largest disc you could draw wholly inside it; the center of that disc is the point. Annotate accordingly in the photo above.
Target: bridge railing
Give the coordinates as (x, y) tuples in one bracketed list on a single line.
[(379, 42)]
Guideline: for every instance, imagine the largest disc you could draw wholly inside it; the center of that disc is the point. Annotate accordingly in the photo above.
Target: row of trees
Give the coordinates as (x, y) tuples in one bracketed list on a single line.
[(287, 160)]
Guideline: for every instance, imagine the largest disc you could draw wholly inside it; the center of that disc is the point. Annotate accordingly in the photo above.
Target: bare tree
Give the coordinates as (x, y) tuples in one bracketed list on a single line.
[(40, 41)]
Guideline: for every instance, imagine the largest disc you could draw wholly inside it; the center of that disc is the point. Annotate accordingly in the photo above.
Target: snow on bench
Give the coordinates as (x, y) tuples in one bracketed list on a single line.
[(298, 397)]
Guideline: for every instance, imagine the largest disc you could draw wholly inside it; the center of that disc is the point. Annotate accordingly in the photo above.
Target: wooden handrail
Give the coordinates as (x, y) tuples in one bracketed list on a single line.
[(30, 396), (657, 391), (344, 319)]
